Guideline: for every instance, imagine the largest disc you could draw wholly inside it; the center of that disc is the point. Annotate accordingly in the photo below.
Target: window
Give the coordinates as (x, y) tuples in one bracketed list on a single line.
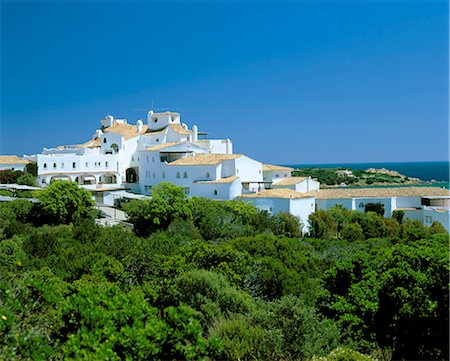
[(178, 174), (132, 159), (428, 219), (155, 120), (164, 175), (260, 171), (185, 175), (74, 165), (215, 192), (104, 140), (157, 140), (44, 181), (45, 165), (208, 175), (154, 175), (54, 165), (276, 175), (87, 164), (361, 205), (106, 164), (285, 175), (147, 159), (153, 159), (237, 170), (62, 165), (186, 190)]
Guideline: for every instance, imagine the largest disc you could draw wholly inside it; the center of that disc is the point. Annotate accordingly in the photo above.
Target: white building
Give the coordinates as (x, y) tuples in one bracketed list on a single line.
[(286, 200), (13, 162), (122, 156), (426, 204)]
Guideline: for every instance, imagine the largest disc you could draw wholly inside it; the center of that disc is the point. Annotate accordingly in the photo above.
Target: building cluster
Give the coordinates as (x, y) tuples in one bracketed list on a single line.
[(121, 156)]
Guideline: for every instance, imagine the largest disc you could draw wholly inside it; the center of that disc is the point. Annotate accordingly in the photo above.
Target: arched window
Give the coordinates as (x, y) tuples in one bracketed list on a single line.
[(208, 175), (45, 165), (178, 174), (54, 165), (215, 192), (104, 140), (164, 175), (115, 147), (130, 175), (185, 175)]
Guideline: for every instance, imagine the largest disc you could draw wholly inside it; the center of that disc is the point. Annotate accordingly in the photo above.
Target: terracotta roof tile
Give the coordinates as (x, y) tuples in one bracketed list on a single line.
[(269, 167), (205, 159), (13, 159), (220, 181), (289, 181), (280, 193)]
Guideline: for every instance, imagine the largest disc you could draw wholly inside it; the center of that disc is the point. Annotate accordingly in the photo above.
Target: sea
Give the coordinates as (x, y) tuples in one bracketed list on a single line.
[(426, 171)]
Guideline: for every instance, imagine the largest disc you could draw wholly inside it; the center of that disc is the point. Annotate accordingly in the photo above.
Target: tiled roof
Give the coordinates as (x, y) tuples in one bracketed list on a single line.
[(13, 159), (178, 128), (289, 181), (381, 192), (220, 181), (280, 193), (162, 146), (267, 167), (128, 131), (205, 159), (93, 143)]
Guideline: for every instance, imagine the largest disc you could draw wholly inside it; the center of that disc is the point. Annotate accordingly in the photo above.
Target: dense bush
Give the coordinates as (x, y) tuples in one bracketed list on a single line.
[(217, 280)]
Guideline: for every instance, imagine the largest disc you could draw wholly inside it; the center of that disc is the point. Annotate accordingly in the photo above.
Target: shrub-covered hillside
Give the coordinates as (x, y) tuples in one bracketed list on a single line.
[(202, 279)]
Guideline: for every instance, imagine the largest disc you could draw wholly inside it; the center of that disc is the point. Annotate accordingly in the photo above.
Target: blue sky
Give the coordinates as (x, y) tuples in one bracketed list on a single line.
[(289, 82)]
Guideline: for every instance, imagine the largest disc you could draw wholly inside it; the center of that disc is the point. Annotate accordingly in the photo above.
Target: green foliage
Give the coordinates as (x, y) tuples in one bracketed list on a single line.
[(32, 168), (211, 294), (192, 289), (168, 203), (64, 202), (8, 176), (352, 232), (398, 215), (288, 225), (437, 228), (377, 208), (300, 331), (344, 354), (27, 179)]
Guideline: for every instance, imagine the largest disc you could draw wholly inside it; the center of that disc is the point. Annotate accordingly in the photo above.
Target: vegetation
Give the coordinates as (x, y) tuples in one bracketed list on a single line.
[(347, 176), (203, 279), (8, 176)]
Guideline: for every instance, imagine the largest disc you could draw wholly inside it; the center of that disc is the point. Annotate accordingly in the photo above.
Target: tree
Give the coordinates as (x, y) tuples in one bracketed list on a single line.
[(169, 202), (352, 232), (288, 225), (32, 168), (378, 208), (437, 228), (27, 179), (398, 215), (64, 202)]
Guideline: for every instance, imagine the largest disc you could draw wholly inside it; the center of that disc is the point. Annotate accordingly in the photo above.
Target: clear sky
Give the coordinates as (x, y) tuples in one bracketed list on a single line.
[(289, 82)]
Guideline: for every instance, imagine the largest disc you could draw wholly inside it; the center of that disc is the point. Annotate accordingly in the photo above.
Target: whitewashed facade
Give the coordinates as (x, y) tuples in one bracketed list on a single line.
[(13, 162)]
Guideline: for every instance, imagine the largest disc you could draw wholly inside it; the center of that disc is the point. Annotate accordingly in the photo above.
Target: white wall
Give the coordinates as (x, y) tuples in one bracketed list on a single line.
[(409, 202), (302, 208), (388, 203), (248, 170), (431, 215), (225, 191), (324, 204), (19, 166)]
